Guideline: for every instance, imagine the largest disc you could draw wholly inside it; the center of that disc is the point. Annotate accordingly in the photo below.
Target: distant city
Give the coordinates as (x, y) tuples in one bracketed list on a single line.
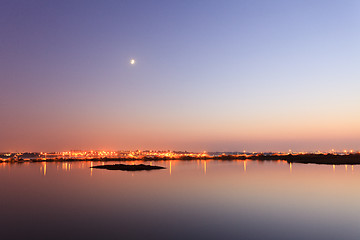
[(79, 155)]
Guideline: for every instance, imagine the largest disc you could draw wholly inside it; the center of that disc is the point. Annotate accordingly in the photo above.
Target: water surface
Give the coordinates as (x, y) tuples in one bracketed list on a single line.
[(187, 200)]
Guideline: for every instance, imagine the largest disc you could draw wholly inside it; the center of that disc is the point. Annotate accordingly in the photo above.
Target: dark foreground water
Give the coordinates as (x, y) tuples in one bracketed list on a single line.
[(188, 200)]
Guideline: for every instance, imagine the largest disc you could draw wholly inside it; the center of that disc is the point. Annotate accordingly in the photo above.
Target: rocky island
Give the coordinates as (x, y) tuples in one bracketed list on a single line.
[(125, 167)]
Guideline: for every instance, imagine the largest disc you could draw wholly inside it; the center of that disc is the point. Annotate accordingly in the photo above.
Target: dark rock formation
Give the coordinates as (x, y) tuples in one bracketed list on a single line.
[(124, 167)]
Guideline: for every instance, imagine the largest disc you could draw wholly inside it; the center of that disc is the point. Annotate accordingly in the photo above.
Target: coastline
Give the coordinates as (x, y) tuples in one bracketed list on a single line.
[(325, 159)]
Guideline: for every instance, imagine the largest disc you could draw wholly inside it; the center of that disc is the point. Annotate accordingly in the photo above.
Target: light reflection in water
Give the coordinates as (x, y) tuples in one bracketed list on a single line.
[(45, 167), (91, 169), (170, 168), (64, 166)]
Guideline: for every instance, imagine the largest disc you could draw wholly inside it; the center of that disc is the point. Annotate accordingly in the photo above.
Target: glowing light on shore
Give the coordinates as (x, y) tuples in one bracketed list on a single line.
[(132, 61)]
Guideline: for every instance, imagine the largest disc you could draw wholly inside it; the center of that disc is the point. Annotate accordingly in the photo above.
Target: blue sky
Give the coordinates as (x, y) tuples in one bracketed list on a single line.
[(209, 75)]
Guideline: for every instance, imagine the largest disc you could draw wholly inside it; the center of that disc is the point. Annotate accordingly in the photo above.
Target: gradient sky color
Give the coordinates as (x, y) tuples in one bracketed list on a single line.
[(209, 75)]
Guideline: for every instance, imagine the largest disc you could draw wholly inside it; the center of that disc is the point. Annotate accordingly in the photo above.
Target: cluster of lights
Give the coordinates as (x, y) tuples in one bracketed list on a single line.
[(150, 154), (120, 154)]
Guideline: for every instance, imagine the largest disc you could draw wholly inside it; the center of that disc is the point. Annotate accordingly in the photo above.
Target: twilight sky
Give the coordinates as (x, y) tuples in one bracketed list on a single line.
[(209, 75)]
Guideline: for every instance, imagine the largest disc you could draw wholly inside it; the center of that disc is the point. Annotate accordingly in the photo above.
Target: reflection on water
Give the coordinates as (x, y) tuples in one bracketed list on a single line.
[(205, 166), (44, 169), (170, 165), (91, 169), (187, 200)]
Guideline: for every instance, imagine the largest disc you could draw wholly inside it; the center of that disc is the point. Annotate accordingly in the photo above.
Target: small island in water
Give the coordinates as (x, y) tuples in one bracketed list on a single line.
[(125, 167)]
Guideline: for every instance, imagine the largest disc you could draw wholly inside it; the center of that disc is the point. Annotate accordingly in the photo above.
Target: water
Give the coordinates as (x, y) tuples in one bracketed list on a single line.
[(188, 200)]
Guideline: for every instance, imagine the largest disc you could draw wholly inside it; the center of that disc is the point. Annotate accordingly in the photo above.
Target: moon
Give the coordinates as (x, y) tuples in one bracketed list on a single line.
[(132, 61)]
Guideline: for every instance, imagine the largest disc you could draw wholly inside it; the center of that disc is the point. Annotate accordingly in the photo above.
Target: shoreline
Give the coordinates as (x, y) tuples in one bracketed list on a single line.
[(326, 159)]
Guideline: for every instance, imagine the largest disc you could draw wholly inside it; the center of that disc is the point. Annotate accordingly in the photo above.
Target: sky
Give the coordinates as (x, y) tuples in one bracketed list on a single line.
[(209, 75)]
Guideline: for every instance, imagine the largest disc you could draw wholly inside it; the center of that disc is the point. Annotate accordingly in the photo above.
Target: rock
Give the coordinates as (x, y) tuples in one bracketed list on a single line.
[(124, 167)]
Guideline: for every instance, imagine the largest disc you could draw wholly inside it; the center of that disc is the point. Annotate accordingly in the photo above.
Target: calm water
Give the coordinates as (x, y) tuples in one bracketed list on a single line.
[(188, 200)]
